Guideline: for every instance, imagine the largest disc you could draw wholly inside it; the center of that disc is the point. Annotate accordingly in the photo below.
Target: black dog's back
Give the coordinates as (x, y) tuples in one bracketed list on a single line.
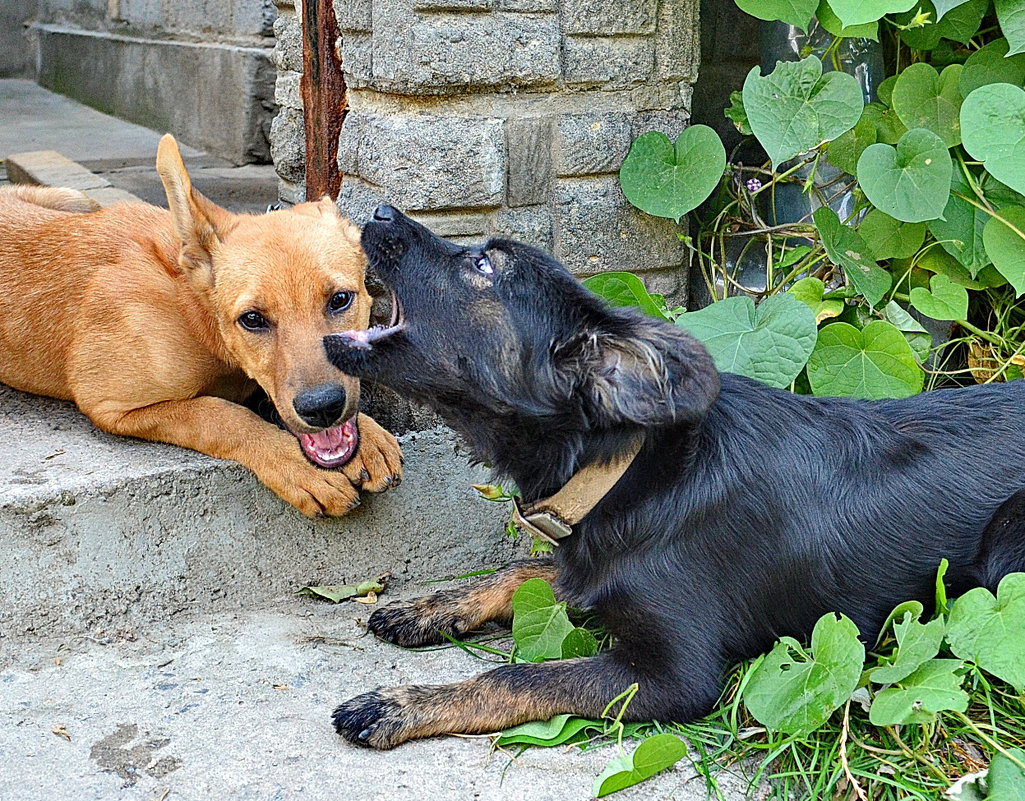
[(1003, 543)]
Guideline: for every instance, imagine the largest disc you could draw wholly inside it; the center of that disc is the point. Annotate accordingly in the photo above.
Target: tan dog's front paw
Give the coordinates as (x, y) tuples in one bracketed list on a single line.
[(312, 490), (377, 465)]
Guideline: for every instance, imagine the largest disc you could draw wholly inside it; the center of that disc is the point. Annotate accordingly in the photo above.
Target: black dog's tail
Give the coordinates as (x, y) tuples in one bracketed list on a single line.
[(1003, 543)]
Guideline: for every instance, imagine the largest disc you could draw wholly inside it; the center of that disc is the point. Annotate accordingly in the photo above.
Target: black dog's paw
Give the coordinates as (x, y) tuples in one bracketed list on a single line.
[(370, 720), (415, 623)]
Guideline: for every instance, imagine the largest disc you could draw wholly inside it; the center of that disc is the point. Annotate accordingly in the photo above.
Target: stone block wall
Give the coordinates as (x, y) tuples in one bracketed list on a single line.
[(508, 117)]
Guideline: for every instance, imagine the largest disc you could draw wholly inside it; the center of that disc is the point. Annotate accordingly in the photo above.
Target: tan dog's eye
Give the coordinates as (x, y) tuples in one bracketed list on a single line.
[(253, 321), (340, 301)]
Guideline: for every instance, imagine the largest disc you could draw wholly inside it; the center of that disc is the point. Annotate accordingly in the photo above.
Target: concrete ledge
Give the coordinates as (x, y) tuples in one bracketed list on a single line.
[(100, 531), (216, 97), (50, 168)]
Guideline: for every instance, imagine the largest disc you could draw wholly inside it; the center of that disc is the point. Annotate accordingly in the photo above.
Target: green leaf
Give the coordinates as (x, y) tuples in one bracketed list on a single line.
[(539, 623), (918, 338), (1006, 781), (579, 642), (844, 151), (770, 343), (626, 289), (993, 131), (343, 592), (911, 182), (944, 300), (932, 688), (796, 107), (990, 64), (1011, 15), (924, 98), (917, 643), (888, 238), (943, 6), (858, 12), (959, 230), (738, 114), (668, 180), (811, 292), (874, 363), (831, 22), (1004, 238), (959, 24), (559, 730), (795, 692), (847, 249), (938, 261), (991, 631), (655, 754), (793, 12)]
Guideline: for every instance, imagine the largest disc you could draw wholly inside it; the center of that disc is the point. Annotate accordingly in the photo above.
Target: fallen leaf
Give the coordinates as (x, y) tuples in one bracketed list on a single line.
[(60, 731)]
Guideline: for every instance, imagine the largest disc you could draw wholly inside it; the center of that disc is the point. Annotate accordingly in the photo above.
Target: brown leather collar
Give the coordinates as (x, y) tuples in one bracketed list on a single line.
[(552, 519)]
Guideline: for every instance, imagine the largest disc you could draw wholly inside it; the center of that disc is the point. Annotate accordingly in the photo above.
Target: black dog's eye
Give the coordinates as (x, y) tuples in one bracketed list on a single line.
[(340, 301), (253, 321), (483, 265)]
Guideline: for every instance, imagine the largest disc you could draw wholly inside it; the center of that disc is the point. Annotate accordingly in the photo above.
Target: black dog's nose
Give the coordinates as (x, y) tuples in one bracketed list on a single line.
[(384, 213), (321, 405)]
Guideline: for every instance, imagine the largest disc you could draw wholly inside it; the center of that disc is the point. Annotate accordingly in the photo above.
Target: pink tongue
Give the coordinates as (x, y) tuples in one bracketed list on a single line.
[(331, 447)]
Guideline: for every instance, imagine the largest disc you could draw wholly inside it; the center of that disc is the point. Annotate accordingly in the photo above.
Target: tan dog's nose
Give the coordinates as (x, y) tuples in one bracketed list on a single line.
[(320, 405)]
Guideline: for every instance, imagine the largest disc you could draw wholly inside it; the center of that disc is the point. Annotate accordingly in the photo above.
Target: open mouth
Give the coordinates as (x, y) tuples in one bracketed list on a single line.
[(365, 338), (331, 447)]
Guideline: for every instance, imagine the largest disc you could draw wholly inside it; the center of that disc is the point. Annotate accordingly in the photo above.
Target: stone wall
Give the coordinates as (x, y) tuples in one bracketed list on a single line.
[(504, 117)]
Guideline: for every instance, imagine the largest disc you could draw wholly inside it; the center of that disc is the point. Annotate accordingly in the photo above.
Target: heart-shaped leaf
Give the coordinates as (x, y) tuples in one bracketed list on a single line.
[(938, 261), (991, 631), (1004, 238), (655, 754), (943, 6), (847, 249), (993, 131), (811, 292), (795, 692), (793, 12), (844, 151), (1006, 780), (858, 12), (917, 643), (626, 289), (540, 624), (668, 180), (945, 301), (918, 338), (932, 688), (910, 182), (1011, 15), (959, 230), (770, 343), (924, 98), (888, 238), (990, 64), (874, 363), (796, 107), (831, 22), (579, 642)]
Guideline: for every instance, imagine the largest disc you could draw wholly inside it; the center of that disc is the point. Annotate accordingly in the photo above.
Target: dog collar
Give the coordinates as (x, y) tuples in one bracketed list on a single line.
[(552, 519)]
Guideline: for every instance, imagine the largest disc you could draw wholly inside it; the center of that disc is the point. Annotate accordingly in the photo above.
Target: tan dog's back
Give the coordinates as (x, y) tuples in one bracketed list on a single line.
[(55, 241)]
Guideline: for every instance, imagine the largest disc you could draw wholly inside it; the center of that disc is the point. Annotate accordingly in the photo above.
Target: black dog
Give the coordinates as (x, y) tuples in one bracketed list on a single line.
[(746, 515)]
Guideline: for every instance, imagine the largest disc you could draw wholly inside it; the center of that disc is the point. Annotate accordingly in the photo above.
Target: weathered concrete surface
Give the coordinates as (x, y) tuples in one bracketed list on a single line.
[(97, 530), (237, 706), (119, 152)]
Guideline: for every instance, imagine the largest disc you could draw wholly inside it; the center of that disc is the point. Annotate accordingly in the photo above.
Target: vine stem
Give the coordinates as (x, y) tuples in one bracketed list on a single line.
[(989, 740), (844, 731)]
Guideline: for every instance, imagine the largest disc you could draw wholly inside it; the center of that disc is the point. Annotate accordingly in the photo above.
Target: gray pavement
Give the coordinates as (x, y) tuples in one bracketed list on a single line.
[(152, 646), (33, 119)]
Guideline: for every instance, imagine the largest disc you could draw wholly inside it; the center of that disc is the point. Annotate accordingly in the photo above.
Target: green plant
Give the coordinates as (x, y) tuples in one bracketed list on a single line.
[(932, 178), (923, 713)]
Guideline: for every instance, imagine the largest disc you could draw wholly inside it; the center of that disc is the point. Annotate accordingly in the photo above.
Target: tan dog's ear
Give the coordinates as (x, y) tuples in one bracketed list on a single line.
[(198, 222), (328, 208)]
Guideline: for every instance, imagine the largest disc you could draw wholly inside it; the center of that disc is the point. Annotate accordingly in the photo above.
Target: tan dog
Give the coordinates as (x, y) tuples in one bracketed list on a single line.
[(159, 324)]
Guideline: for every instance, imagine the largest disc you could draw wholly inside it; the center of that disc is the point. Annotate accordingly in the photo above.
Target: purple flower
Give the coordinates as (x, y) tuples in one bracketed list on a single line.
[(753, 184)]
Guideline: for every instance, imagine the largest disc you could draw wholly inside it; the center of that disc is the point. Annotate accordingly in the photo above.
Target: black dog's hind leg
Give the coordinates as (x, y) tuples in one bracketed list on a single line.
[(1003, 542), (515, 694), (455, 612)]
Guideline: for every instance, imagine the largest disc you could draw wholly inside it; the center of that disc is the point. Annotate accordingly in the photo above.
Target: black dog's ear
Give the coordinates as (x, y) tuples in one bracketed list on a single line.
[(648, 373)]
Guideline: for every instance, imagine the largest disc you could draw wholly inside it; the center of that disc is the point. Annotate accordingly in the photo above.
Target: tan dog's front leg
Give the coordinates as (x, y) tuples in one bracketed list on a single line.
[(377, 464), (225, 430)]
